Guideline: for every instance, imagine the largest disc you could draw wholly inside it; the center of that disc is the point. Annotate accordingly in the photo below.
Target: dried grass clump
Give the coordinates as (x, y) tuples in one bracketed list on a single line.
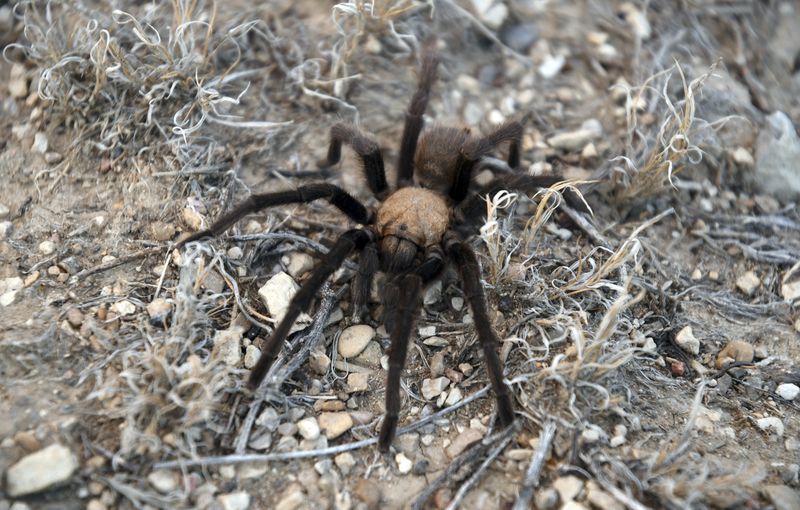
[(652, 158), (126, 79), (168, 382)]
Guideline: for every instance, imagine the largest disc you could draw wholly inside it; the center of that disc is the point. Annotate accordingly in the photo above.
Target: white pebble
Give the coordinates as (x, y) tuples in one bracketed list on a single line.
[(687, 341), (47, 247), (771, 424), (404, 464), (308, 428), (788, 391)]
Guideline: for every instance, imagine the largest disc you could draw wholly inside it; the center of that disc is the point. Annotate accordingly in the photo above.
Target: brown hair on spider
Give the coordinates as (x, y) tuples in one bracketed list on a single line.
[(420, 224)]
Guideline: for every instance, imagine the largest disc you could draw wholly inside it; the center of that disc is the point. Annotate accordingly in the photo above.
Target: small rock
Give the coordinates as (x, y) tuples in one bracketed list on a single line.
[(590, 435), (323, 467), (735, 351), (161, 231), (354, 339), (262, 441), (40, 143), (437, 364), (191, 218), (404, 464), (251, 356), (748, 283), (74, 317), (575, 140), (319, 362), (520, 37), (94, 504), (159, 311), (52, 158), (427, 331), (743, 157), (463, 441), (47, 247), (783, 497), (17, 83), (616, 441), (589, 152), (6, 227), (345, 462), (777, 153), (637, 20), (27, 440), (771, 424), (357, 382), (787, 391), (454, 397), (432, 388), (568, 487), (164, 481), (687, 341), (123, 308), (234, 501), (432, 294), (49, 467), (368, 492), (436, 341), (235, 253), (546, 499), (791, 290), (677, 368), (308, 428), (457, 303), (299, 263), (9, 288), (277, 293), (293, 499), (227, 346), (551, 66), (335, 424)]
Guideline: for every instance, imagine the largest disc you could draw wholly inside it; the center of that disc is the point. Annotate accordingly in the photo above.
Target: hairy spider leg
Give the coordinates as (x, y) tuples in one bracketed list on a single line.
[(407, 301), (474, 150), (414, 116), (368, 263), (365, 148), (338, 197), (352, 240), (470, 270)]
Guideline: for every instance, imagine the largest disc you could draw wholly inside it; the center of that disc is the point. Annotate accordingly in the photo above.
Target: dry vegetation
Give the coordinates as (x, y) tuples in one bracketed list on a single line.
[(164, 114)]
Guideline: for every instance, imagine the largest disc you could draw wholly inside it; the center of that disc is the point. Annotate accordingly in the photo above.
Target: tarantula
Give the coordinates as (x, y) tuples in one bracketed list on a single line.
[(423, 222)]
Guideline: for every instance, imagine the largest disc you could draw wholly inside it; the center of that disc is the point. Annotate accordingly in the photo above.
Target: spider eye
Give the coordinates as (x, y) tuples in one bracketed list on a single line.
[(403, 226)]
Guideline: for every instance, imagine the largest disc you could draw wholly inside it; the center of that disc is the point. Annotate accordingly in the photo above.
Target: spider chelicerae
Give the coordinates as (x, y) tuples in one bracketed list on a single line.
[(419, 225)]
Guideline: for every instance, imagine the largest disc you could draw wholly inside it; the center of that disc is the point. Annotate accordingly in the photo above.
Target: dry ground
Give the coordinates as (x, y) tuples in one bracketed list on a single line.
[(141, 148)]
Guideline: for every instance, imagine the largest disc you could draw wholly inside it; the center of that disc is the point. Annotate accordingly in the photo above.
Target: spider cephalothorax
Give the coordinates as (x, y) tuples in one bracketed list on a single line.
[(418, 226)]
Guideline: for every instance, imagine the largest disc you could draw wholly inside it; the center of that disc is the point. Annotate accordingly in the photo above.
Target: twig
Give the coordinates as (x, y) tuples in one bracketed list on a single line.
[(586, 226), (118, 262), (535, 468), (505, 438), (323, 452)]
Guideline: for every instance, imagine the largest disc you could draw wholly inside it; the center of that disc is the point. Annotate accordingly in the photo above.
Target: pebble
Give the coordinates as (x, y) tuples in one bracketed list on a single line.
[(9, 288), (791, 290), (123, 308), (164, 481), (191, 218), (47, 247), (40, 143), (357, 382), (427, 331), (436, 341), (771, 424), (262, 441), (433, 293), (335, 424), (276, 294), (783, 497), (404, 464), (227, 346), (308, 428), (551, 66), (590, 435), (74, 317), (737, 351), (345, 462), (546, 499), (49, 467), (368, 492), (457, 303), (637, 20), (6, 227), (748, 283), (437, 364), (17, 83), (27, 440), (234, 501), (159, 311), (432, 388), (52, 158), (520, 37), (287, 429), (354, 340), (576, 140), (600, 499), (95, 504), (687, 341), (251, 356), (454, 397), (319, 362), (788, 391), (298, 263), (293, 500), (462, 441), (777, 152), (568, 487)]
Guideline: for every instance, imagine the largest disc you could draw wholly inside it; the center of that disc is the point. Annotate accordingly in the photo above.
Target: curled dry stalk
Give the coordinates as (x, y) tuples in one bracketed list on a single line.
[(647, 168)]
